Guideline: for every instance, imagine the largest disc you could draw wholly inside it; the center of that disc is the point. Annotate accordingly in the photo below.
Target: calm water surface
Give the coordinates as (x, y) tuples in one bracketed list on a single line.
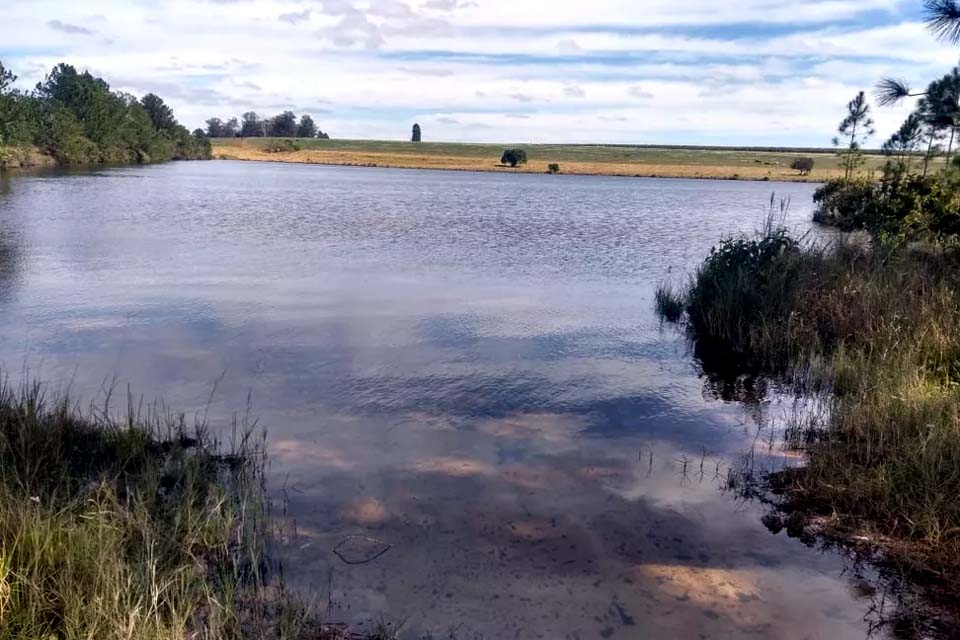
[(466, 366)]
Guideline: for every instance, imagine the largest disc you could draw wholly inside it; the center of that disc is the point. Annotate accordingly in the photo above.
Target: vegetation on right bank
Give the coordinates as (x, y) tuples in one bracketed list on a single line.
[(873, 331), (867, 326)]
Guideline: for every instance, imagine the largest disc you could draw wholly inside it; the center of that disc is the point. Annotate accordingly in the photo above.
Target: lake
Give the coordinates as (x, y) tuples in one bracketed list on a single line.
[(466, 367)]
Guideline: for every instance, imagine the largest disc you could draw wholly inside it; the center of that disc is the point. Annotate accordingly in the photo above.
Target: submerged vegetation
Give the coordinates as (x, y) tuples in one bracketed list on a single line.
[(76, 118)]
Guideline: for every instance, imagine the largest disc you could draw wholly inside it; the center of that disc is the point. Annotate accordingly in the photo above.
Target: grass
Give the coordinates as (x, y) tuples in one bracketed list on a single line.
[(141, 529), (874, 335), (621, 160)]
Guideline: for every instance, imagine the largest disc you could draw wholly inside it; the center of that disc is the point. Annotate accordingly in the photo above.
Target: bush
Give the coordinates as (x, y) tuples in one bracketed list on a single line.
[(745, 291), (281, 146), (803, 165), (898, 208), (553, 168), (513, 157)]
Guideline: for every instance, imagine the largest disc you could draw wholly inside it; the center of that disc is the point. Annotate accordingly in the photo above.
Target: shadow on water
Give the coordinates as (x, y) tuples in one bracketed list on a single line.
[(11, 249)]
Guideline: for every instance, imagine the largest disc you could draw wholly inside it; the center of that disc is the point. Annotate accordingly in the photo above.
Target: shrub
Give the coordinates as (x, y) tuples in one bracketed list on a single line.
[(898, 208), (513, 157), (281, 146), (803, 165)]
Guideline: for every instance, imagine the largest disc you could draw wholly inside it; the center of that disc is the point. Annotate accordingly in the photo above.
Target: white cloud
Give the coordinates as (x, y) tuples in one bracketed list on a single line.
[(609, 70)]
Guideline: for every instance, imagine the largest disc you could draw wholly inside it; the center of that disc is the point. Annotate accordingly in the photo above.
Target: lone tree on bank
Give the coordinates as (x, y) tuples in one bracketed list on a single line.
[(513, 157), (416, 137), (803, 165), (855, 128), (307, 127)]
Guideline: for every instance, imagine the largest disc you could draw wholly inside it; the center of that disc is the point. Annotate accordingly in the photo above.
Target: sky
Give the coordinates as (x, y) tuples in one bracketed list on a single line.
[(743, 72)]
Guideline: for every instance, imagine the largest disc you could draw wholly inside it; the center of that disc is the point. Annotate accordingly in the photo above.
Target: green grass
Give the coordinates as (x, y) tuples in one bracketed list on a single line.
[(144, 529), (621, 154), (875, 335)]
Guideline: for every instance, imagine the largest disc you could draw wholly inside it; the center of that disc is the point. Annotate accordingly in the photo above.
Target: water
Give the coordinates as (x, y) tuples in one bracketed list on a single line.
[(464, 366)]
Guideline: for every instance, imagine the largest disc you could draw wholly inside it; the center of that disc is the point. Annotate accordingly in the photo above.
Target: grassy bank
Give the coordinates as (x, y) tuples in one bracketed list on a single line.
[(614, 160), (145, 529), (874, 333), (24, 158)]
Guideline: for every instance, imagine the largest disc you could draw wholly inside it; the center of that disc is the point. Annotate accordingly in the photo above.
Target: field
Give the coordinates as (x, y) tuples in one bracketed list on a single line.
[(615, 160)]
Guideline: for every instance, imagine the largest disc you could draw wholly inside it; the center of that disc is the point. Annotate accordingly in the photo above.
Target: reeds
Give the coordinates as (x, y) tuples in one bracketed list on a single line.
[(145, 529), (876, 335)]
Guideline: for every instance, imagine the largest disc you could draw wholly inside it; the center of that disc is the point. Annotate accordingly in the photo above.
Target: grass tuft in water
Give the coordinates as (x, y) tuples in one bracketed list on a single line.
[(668, 303)]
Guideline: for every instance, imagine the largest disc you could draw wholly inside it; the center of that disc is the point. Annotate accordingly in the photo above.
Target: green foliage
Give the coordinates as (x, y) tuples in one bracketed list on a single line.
[(307, 127), (283, 125), (874, 334), (76, 118), (553, 168), (251, 125), (855, 128), (899, 208), (513, 157), (743, 288), (159, 113), (417, 134), (144, 529), (803, 165)]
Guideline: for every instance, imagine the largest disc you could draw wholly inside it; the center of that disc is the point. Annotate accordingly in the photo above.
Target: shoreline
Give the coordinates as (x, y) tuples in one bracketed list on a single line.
[(520, 171), (581, 160)]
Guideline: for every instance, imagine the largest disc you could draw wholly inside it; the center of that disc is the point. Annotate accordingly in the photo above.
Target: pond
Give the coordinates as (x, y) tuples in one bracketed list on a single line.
[(466, 367)]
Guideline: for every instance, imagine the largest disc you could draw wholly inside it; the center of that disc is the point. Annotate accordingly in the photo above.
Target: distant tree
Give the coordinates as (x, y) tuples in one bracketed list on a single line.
[(6, 79), (307, 128), (905, 142), (856, 127), (416, 136), (252, 126), (553, 167), (283, 125), (513, 157), (803, 165), (322, 135), (231, 128), (200, 133), (160, 114), (12, 118), (215, 128)]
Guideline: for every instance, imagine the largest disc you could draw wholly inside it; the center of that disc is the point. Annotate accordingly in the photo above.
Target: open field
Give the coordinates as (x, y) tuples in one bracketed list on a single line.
[(613, 160)]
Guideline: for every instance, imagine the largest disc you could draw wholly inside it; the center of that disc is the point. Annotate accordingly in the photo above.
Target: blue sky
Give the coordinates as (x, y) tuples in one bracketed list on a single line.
[(757, 72)]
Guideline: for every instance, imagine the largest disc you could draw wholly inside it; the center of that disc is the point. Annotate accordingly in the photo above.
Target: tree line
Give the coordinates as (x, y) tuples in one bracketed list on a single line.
[(76, 118), (251, 125), (911, 200)]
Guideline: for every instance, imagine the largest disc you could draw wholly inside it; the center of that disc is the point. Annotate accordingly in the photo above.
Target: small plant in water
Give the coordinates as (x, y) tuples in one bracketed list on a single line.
[(669, 303)]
